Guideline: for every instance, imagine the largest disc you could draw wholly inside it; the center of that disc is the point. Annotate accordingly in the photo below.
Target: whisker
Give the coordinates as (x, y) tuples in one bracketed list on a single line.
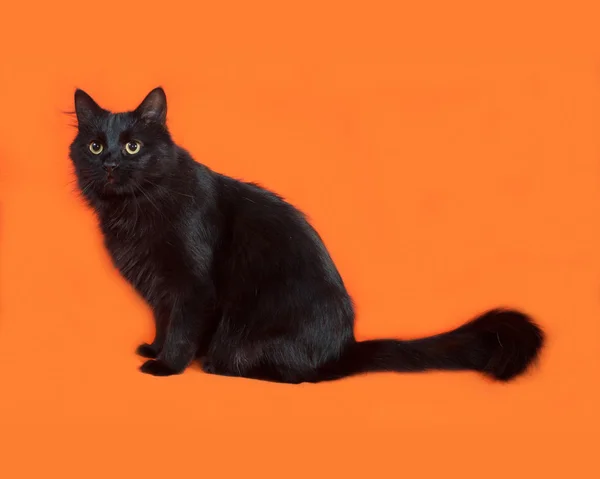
[(154, 205), (167, 189), (148, 198), (136, 207)]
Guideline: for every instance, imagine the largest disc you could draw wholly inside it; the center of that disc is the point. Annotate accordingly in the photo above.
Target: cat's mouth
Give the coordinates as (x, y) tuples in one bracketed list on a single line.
[(110, 178)]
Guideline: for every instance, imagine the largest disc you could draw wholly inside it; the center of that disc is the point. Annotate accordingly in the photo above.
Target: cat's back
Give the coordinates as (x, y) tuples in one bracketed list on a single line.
[(268, 234), (261, 215)]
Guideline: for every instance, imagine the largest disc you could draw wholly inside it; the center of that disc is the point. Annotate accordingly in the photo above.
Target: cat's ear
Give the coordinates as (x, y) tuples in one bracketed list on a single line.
[(85, 107), (154, 107)]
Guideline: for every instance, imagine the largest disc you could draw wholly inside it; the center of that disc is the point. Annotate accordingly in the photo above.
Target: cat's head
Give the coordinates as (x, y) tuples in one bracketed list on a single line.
[(120, 153)]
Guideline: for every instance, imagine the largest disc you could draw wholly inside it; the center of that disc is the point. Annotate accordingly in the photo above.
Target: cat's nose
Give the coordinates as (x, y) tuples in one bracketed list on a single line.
[(109, 166)]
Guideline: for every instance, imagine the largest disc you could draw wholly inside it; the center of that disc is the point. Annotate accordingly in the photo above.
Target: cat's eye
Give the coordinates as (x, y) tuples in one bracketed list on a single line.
[(96, 147), (133, 147)]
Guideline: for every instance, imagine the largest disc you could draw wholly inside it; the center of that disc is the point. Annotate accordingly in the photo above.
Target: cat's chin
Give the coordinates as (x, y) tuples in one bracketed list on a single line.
[(113, 188)]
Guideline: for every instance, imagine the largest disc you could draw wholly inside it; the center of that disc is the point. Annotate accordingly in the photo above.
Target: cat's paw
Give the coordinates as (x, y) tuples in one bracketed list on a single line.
[(146, 350), (156, 367)]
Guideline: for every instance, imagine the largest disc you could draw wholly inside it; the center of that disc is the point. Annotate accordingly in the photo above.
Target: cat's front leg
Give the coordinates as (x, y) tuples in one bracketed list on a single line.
[(161, 321), (187, 324)]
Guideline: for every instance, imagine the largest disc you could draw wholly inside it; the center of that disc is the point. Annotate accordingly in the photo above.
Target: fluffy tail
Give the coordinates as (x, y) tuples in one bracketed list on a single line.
[(499, 343)]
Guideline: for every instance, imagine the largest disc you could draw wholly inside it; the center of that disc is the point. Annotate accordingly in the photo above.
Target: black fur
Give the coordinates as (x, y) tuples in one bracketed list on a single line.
[(237, 277)]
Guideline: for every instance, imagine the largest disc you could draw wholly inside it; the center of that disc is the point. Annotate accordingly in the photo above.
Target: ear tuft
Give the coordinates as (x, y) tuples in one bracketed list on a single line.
[(85, 107), (154, 106)]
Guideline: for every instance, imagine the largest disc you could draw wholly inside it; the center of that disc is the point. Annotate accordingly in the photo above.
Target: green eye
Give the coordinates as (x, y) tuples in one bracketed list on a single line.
[(133, 147), (96, 147)]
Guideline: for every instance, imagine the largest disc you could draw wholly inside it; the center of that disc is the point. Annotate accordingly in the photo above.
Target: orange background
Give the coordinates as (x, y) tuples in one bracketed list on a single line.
[(448, 152)]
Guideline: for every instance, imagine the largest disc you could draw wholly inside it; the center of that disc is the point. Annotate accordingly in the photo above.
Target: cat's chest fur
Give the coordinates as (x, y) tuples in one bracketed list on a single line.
[(143, 247)]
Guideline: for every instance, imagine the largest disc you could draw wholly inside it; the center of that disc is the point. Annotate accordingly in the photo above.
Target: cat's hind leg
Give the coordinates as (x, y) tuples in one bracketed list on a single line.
[(259, 361)]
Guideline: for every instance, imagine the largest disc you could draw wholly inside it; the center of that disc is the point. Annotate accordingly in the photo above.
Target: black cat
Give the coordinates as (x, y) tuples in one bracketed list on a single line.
[(237, 277)]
